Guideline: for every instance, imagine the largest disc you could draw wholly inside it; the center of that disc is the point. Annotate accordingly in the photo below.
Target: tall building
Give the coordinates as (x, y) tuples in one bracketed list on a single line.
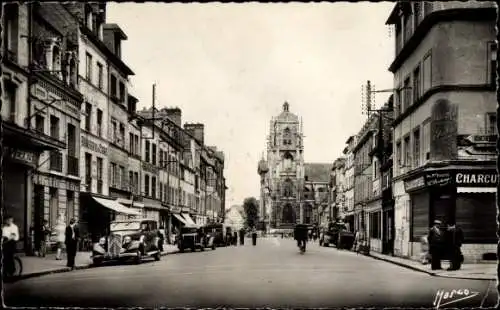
[(445, 124), (348, 186), (291, 190)]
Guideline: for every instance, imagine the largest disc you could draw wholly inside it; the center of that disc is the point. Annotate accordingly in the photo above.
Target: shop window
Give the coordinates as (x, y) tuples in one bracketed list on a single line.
[(374, 222)]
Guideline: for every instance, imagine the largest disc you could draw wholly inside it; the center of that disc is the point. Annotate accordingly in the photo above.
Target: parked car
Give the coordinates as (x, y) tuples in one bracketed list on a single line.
[(336, 233), (192, 237), (128, 239)]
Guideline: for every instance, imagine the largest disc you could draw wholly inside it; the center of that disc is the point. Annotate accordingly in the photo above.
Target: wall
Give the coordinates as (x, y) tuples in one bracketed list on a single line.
[(401, 219)]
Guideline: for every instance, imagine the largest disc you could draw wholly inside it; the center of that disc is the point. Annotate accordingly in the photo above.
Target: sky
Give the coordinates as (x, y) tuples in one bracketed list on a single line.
[(232, 66)]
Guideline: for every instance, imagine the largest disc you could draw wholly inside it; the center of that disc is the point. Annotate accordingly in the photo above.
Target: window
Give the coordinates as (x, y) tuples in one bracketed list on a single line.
[(99, 122), (113, 175), (10, 31), (493, 63), (122, 92), (121, 140), (398, 153), (131, 180), (491, 123), (375, 225), (407, 156), (99, 174), (406, 95), (416, 13), (153, 154), (416, 83), (88, 67), (88, 115), (131, 142), (100, 75), (11, 99), (146, 185), (113, 86), (416, 147), (426, 140), (54, 127), (136, 183), (427, 72), (147, 151), (397, 102), (160, 196), (88, 171), (40, 123), (114, 130), (137, 147), (122, 177)]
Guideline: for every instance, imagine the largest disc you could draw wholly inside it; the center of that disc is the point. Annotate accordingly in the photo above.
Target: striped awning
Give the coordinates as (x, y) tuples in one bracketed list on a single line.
[(476, 189)]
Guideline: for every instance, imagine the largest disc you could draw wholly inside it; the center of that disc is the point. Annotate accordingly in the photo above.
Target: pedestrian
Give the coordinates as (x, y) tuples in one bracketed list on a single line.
[(254, 236), (10, 236), (60, 230), (71, 241), (454, 239), (242, 236), (435, 239), (45, 236), (161, 238), (235, 238)]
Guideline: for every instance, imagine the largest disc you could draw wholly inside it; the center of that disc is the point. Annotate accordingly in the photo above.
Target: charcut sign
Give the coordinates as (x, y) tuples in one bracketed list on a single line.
[(481, 179)]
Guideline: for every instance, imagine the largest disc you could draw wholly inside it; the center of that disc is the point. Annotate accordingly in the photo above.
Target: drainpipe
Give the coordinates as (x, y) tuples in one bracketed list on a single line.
[(28, 246)]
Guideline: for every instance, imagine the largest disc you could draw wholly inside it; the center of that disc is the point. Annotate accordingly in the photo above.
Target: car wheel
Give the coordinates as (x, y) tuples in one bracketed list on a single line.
[(138, 258), (157, 256), (96, 262)]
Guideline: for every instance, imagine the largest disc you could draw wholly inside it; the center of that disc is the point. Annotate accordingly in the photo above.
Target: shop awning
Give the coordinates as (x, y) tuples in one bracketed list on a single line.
[(476, 189), (180, 218), (128, 202), (188, 218), (115, 206)]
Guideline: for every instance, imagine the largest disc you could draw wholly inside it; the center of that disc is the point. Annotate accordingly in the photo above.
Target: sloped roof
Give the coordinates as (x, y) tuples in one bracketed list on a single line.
[(317, 172)]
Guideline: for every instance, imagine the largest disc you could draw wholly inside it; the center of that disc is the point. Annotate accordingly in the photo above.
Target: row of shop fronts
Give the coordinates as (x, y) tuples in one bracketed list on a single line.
[(462, 193)]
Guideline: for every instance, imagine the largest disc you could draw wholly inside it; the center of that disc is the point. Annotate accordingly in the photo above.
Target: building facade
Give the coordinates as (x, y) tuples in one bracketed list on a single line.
[(337, 187), (348, 186), (444, 146)]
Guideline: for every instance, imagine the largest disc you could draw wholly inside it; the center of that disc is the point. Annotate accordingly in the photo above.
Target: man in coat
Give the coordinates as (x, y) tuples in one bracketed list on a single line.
[(436, 242), (71, 240), (242, 236), (454, 240)]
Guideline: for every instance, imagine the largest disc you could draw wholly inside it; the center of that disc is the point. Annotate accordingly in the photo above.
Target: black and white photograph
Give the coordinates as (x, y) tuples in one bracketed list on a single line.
[(269, 155)]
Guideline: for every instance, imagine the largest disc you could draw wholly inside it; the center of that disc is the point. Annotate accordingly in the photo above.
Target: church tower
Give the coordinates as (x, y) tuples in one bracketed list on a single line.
[(282, 173)]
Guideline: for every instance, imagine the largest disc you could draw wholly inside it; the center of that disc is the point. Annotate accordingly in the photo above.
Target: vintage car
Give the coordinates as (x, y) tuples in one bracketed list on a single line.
[(218, 232), (128, 239), (193, 237), (337, 233)]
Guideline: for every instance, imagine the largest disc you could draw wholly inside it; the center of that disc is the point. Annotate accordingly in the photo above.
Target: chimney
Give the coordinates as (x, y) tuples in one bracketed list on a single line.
[(196, 130), (175, 114)]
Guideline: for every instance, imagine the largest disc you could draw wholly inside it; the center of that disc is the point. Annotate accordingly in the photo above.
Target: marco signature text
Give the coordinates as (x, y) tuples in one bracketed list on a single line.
[(444, 298)]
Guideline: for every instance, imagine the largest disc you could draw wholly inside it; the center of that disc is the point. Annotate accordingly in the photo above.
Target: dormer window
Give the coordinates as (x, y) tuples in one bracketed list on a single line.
[(117, 46)]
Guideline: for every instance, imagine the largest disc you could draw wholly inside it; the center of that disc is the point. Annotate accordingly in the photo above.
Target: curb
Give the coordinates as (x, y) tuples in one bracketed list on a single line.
[(60, 270), (429, 272)]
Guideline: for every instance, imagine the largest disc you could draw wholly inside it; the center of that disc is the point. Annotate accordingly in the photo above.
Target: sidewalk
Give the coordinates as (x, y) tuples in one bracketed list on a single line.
[(34, 266), (483, 271)]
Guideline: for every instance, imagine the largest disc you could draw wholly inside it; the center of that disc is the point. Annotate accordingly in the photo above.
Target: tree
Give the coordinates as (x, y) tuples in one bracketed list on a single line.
[(251, 207)]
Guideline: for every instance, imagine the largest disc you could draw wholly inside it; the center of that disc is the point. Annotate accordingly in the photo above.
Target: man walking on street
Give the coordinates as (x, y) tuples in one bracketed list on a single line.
[(436, 245), (454, 240), (254, 236), (242, 236), (10, 236), (72, 235)]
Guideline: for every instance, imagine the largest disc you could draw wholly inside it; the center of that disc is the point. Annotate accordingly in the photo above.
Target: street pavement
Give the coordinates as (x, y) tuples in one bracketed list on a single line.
[(271, 274)]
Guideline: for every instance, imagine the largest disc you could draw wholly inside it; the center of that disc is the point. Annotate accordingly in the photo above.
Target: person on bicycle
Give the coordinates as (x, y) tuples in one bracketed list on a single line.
[(10, 235), (300, 234)]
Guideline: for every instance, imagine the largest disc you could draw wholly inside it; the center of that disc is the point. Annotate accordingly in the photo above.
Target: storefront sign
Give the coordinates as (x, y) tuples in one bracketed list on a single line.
[(477, 179), (414, 184), (25, 157), (438, 178), (482, 139), (51, 181), (99, 148)]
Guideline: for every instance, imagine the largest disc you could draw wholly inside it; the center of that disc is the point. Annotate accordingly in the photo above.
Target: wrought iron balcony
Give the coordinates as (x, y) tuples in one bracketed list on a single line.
[(56, 161), (73, 165)]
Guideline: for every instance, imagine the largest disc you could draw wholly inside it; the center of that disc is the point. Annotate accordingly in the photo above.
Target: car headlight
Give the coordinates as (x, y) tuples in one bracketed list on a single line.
[(127, 239), (102, 241)]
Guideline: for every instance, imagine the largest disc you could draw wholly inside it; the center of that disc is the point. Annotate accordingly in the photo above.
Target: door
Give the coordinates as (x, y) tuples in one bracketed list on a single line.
[(38, 206)]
